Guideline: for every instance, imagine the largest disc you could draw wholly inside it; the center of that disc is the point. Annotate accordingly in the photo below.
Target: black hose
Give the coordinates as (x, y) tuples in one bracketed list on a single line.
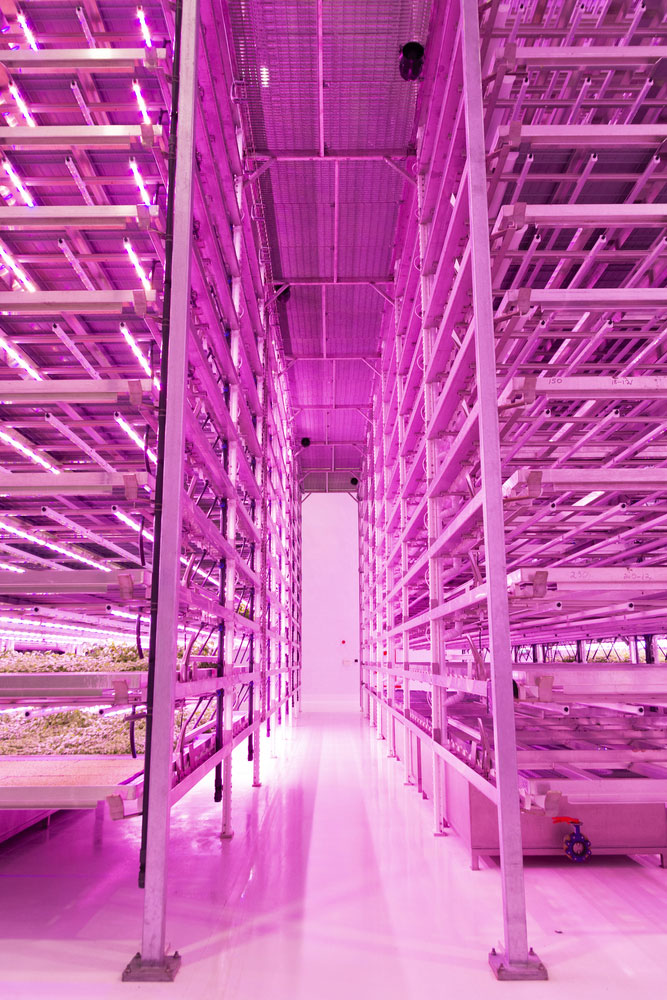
[(142, 550), (162, 416), (140, 649)]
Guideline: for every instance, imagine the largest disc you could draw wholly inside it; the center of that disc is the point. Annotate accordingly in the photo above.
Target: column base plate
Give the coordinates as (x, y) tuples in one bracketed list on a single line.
[(504, 970), (138, 971)]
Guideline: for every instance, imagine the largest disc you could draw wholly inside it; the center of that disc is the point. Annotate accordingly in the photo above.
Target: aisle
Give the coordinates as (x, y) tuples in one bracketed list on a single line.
[(333, 887)]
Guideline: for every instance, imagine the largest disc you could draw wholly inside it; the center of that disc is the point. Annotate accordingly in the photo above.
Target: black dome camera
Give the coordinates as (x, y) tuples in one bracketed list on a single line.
[(412, 61)]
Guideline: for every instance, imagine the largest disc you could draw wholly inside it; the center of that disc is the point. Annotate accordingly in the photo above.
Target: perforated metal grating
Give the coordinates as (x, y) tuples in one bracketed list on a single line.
[(324, 103)]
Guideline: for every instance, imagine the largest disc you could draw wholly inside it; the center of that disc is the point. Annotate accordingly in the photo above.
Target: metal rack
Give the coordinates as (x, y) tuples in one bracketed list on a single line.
[(147, 467), (514, 496)]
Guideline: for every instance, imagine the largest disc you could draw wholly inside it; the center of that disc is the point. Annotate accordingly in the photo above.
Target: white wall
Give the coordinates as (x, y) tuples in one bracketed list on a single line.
[(330, 602)]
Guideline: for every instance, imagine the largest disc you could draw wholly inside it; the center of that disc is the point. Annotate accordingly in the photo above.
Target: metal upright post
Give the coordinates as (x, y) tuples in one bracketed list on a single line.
[(227, 831), (518, 962), (438, 710), (152, 964)]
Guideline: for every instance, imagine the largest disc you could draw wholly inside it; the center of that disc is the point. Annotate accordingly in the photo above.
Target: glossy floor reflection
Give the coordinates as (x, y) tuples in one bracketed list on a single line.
[(333, 887)]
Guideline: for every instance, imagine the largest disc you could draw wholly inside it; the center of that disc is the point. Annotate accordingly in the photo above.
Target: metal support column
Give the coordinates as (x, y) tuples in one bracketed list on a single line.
[(517, 962), (152, 964)]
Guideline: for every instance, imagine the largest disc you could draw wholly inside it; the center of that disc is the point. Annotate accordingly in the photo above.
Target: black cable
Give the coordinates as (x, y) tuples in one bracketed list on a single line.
[(140, 650)]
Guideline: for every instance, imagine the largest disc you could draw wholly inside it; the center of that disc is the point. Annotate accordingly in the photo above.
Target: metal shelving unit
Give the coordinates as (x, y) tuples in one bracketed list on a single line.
[(514, 495), (148, 481)]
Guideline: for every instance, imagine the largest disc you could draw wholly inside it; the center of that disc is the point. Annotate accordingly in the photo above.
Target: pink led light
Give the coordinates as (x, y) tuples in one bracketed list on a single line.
[(138, 353), (18, 271), (132, 434), (132, 254), (145, 117), (35, 540), (19, 360), (12, 569), (589, 498), (10, 620), (131, 523), (29, 37), (122, 614), (139, 181), (21, 104), (55, 638), (28, 452), (145, 31)]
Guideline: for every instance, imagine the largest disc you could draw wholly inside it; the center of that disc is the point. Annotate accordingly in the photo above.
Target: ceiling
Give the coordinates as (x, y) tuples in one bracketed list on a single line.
[(330, 126)]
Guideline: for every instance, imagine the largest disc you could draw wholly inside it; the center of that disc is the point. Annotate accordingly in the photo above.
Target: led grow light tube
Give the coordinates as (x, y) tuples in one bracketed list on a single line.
[(31, 558), (18, 271), (10, 620), (78, 180), (17, 182), (22, 105), (143, 109), (130, 522), (132, 434), (139, 181), (28, 452), (138, 267), (12, 569), (147, 534), (27, 31), (71, 346), (19, 360), (138, 353), (22, 636), (35, 540), (589, 498), (78, 269), (145, 30)]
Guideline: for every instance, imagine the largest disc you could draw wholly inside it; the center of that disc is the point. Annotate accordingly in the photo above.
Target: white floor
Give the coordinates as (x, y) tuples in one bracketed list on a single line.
[(333, 887)]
